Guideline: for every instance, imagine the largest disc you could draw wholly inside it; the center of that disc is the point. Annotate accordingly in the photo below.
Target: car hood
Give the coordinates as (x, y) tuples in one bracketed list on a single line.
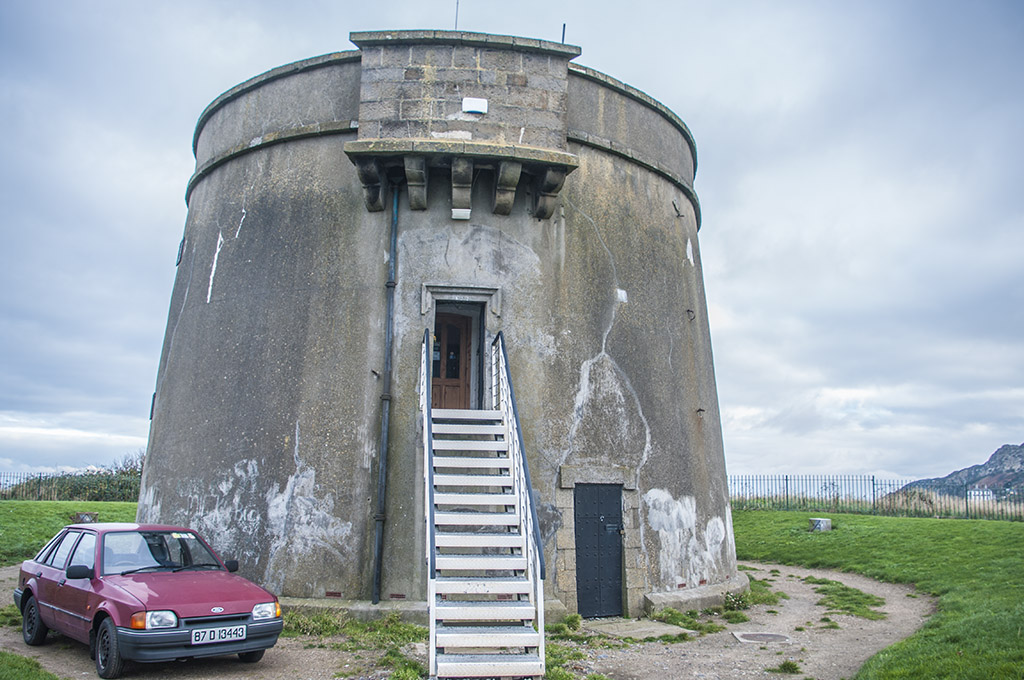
[(193, 593)]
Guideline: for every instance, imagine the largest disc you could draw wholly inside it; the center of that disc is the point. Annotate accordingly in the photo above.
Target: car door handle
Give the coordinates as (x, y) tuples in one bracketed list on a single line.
[(62, 581), (39, 574)]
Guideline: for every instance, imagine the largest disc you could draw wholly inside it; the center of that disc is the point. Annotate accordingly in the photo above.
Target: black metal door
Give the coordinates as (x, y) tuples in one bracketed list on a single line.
[(599, 549)]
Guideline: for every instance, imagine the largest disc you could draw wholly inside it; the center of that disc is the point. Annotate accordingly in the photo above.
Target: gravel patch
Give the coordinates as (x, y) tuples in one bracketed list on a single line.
[(822, 653)]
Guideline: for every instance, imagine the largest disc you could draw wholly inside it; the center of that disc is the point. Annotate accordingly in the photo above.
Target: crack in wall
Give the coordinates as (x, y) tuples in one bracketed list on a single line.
[(584, 393)]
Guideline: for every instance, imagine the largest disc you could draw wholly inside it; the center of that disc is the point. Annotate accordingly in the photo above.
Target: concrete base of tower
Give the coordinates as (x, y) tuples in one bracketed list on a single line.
[(701, 597)]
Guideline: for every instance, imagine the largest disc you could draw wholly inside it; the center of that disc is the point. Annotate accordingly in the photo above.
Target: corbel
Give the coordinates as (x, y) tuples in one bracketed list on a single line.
[(371, 176), (416, 175), (505, 184), (549, 183), (462, 187)]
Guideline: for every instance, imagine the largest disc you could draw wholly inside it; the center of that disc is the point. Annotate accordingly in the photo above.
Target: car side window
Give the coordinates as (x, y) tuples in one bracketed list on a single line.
[(59, 557), (41, 555), (85, 553)]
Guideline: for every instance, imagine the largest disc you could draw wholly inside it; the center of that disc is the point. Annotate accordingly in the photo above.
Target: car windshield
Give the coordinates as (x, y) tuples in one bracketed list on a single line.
[(126, 552)]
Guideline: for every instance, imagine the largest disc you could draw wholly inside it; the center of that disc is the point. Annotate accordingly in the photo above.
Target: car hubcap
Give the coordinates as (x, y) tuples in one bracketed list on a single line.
[(102, 649)]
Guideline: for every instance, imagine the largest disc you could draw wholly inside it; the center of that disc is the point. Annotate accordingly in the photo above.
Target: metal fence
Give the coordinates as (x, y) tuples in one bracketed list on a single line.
[(867, 494), (84, 486)]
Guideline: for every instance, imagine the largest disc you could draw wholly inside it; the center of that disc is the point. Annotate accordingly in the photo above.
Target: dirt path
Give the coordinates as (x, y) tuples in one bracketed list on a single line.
[(821, 653)]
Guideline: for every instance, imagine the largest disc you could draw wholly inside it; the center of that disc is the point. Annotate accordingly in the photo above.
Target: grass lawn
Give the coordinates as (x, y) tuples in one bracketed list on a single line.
[(26, 526), (974, 567)]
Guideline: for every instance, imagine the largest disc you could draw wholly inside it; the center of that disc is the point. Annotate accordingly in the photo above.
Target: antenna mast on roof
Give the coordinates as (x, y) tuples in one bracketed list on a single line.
[(456, 15)]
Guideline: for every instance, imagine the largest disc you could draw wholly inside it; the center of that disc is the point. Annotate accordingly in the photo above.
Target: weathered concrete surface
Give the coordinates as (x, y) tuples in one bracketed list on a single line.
[(267, 412)]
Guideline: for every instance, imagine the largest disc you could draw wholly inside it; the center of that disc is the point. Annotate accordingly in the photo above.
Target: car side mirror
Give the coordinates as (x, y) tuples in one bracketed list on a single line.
[(232, 565), (80, 571)]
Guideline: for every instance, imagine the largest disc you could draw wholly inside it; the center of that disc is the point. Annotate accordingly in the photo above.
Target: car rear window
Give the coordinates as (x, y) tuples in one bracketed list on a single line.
[(59, 557)]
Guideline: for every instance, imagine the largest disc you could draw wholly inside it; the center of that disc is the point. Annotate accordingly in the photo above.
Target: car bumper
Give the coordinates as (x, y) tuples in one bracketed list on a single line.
[(18, 594), (168, 645)]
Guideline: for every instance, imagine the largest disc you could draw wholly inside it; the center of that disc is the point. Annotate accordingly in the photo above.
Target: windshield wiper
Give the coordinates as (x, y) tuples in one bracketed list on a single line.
[(138, 569), (201, 565)]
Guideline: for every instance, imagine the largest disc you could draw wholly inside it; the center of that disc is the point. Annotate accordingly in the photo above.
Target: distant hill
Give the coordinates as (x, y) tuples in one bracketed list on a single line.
[(1003, 470)]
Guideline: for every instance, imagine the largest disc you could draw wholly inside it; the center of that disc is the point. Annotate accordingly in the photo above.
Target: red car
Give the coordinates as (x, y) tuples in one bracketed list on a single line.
[(143, 592)]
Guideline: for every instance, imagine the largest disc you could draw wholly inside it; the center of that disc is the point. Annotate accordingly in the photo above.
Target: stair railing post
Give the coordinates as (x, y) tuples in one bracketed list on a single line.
[(426, 408)]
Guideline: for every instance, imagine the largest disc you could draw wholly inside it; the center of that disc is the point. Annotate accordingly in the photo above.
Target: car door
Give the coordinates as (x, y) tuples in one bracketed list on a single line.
[(49, 573), (75, 595)]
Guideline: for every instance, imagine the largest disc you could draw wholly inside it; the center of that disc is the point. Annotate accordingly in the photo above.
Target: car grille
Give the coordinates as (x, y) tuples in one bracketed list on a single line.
[(222, 619)]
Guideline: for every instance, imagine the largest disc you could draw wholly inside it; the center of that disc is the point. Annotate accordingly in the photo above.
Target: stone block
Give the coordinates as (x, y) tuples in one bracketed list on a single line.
[(414, 109), (379, 110), (465, 57), (546, 82), (565, 540), (821, 524), (431, 55), (393, 56), (501, 60), (375, 75)]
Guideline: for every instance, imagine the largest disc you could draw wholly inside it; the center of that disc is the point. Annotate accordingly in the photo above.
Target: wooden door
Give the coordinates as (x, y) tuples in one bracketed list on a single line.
[(451, 365)]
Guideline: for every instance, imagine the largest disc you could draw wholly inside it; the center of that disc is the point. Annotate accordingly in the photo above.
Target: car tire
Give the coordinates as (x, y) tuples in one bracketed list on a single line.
[(33, 630), (109, 663), (251, 657)]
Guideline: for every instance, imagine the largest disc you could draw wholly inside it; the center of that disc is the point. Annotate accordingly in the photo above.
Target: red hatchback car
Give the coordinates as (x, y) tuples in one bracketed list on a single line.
[(144, 592)]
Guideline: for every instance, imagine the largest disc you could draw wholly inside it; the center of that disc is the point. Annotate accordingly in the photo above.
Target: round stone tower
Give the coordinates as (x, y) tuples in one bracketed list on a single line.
[(468, 184)]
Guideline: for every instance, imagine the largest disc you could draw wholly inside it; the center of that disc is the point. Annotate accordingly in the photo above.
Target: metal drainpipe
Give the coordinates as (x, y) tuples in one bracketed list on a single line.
[(385, 397)]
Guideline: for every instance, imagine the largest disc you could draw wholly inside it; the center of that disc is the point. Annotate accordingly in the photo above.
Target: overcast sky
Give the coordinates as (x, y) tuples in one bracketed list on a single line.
[(860, 174)]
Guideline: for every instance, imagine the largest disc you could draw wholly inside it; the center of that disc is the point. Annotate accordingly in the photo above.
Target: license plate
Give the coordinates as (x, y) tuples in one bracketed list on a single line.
[(204, 636)]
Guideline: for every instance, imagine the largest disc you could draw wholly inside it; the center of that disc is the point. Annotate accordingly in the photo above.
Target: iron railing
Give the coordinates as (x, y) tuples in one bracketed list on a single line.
[(70, 486), (503, 398), (428, 495), (868, 494)]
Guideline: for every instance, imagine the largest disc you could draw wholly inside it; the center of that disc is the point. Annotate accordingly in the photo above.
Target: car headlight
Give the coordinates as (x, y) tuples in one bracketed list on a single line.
[(266, 610), (151, 620)]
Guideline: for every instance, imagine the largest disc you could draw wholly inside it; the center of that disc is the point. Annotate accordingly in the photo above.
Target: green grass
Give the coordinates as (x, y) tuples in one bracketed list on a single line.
[(843, 599), (15, 667), (974, 567), (26, 526)]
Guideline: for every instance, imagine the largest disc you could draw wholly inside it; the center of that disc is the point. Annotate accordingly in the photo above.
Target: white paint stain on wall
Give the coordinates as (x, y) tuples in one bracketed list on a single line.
[(300, 521), (688, 553)]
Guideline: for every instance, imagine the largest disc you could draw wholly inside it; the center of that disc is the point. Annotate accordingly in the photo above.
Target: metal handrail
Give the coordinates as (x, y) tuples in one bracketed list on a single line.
[(428, 497), (509, 404)]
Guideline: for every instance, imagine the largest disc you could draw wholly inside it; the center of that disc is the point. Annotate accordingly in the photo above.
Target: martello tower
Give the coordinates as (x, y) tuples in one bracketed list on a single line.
[(453, 186)]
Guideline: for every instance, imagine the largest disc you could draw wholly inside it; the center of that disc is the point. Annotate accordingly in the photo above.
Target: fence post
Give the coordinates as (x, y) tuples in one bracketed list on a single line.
[(874, 497), (967, 501), (785, 482)]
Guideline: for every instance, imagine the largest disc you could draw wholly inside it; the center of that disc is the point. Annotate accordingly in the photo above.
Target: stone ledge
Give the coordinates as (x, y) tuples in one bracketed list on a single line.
[(460, 147), (500, 42), (698, 598)]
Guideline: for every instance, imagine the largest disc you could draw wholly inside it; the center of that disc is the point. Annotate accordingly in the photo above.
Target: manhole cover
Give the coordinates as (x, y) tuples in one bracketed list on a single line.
[(762, 637)]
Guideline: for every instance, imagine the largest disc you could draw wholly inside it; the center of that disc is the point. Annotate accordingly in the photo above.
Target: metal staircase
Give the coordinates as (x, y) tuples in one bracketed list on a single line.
[(485, 569)]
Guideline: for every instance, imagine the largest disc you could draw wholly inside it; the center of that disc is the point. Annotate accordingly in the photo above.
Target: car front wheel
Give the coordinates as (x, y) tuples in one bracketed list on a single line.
[(251, 657), (109, 663), (32, 627)]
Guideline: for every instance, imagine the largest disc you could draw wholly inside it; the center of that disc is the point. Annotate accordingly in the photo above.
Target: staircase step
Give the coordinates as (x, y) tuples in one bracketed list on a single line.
[(487, 636), (508, 610), (488, 665), (474, 499), (475, 562), (464, 414), (480, 462), (452, 585), (469, 445), (476, 519), (472, 480), (475, 429), (478, 540)]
